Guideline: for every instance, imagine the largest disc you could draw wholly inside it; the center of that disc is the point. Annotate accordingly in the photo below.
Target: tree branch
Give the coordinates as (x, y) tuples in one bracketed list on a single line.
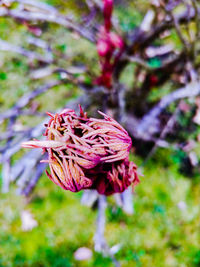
[(142, 39), (40, 5), (5, 46), (49, 17), (190, 90), (25, 99)]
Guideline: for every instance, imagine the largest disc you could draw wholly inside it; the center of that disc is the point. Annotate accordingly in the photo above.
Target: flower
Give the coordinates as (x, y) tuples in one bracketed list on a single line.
[(87, 153)]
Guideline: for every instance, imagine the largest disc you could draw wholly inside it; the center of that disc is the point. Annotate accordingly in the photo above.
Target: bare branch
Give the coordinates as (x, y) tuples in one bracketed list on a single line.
[(178, 30), (142, 40), (125, 201), (89, 198), (49, 17), (25, 99), (99, 239), (5, 46), (18, 168), (9, 134), (6, 176), (39, 5), (33, 181), (139, 61), (171, 60), (190, 90)]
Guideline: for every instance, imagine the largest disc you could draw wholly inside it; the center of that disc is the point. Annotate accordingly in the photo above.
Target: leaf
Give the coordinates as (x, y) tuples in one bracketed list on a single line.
[(154, 62), (3, 76)]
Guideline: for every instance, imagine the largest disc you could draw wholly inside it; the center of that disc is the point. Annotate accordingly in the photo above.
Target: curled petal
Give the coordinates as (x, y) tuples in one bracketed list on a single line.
[(42, 144), (55, 180)]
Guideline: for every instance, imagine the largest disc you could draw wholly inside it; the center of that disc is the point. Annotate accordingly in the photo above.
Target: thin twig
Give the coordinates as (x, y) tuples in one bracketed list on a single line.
[(139, 61), (5, 46), (173, 59), (49, 17)]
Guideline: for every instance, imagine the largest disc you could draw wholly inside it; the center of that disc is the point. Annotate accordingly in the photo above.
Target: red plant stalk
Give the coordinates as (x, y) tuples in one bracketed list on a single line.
[(87, 153), (107, 45), (107, 13)]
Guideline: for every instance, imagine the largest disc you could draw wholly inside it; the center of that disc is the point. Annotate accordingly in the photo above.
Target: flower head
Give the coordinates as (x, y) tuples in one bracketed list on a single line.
[(85, 153)]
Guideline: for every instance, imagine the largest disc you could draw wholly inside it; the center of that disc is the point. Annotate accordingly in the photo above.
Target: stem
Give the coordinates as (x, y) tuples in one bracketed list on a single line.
[(99, 240), (100, 244)]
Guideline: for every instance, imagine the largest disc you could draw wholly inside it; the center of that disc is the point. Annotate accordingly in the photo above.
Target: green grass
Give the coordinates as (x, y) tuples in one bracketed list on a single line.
[(158, 234)]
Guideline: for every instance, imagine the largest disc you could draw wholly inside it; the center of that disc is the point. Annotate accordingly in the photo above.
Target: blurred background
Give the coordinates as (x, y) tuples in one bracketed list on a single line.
[(50, 59)]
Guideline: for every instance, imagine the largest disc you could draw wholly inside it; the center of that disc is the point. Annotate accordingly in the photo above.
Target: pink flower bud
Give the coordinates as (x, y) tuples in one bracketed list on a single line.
[(102, 48), (116, 40), (87, 153)]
